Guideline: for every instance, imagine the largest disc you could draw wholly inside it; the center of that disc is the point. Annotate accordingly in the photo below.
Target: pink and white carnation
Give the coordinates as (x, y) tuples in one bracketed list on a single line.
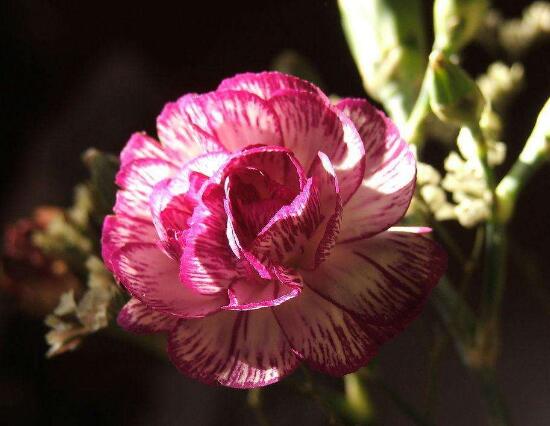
[(258, 233)]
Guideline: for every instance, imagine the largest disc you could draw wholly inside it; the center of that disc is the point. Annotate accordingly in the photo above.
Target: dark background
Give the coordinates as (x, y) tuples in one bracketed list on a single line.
[(80, 74)]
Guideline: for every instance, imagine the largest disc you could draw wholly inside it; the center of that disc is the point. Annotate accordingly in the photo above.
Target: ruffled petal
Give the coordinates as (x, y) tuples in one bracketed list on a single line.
[(181, 138), (142, 146), (349, 162), (304, 231), (138, 318), (235, 349), (308, 125), (325, 336), (137, 180), (383, 280), (257, 183), (266, 84), (120, 230), (324, 238), (208, 264), (252, 292), (284, 239), (389, 178), (152, 277), (235, 119)]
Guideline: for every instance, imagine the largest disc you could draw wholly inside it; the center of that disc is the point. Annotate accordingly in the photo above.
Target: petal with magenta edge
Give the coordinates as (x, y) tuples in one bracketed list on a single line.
[(235, 349), (390, 174)]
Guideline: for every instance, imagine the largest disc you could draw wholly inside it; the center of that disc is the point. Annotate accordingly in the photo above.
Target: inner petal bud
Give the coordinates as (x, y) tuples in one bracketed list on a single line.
[(254, 197)]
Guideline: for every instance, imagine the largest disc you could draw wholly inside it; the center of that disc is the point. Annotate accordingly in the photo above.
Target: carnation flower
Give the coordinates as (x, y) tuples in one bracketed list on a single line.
[(258, 233)]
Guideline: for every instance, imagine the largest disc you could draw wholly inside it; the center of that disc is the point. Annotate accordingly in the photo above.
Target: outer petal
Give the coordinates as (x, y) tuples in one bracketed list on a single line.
[(181, 138), (121, 230), (152, 277), (137, 179), (349, 163), (325, 336), (142, 146), (138, 318), (383, 280), (266, 84), (235, 119), (390, 174), (235, 349)]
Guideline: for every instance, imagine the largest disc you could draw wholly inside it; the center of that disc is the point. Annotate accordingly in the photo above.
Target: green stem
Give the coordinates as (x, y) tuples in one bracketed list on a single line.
[(473, 260), (461, 325), (325, 402), (510, 186), (482, 358), (441, 340), (254, 399), (494, 270), (358, 404), (498, 412), (407, 409)]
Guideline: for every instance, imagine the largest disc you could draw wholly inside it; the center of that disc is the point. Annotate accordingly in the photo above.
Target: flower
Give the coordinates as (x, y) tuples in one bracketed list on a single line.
[(257, 234), (35, 278)]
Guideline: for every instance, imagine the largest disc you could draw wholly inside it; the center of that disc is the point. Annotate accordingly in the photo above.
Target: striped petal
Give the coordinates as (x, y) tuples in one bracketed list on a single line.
[(257, 183), (284, 239), (235, 349), (330, 202), (325, 336), (137, 180), (181, 138), (383, 280), (267, 84), (389, 178), (235, 119), (308, 125), (208, 265), (120, 230), (142, 146), (152, 277), (138, 318), (253, 292)]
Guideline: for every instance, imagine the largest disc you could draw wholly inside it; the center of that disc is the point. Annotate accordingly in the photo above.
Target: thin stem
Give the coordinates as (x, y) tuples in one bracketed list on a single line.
[(312, 390), (498, 412), (473, 260), (532, 274), (254, 399), (461, 325), (407, 409), (510, 186), (358, 404), (441, 341), (482, 358)]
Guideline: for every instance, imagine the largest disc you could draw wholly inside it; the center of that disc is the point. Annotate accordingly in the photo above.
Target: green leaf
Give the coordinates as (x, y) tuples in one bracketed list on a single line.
[(103, 169)]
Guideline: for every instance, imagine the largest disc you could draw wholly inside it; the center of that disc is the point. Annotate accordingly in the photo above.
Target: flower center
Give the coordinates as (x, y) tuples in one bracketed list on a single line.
[(254, 198)]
